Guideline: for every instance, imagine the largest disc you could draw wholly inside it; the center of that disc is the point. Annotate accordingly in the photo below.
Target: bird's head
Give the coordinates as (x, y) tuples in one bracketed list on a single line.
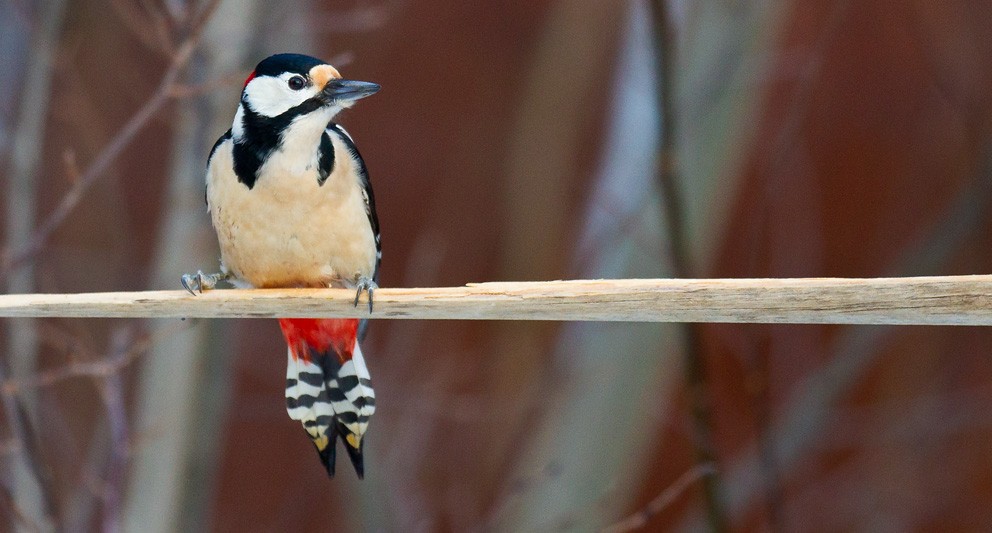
[(291, 88)]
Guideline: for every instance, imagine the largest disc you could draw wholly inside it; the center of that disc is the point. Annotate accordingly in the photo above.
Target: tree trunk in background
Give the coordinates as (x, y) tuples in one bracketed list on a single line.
[(713, 69), (718, 45), (183, 389), (544, 181), (584, 458), (21, 204)]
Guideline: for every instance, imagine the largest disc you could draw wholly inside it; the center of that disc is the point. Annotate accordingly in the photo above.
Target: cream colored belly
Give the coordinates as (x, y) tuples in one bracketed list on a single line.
[(289, 231)]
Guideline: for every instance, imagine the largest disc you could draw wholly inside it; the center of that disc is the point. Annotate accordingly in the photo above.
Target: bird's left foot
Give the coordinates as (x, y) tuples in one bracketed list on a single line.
[(196, 283), (365, 285)]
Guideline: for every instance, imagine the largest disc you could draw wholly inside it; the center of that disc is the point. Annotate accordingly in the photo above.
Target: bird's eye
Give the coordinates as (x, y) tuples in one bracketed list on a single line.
[(297, 82)]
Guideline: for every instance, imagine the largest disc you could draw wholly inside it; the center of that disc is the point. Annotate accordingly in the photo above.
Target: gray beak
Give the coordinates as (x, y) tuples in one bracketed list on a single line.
[(349, 90)]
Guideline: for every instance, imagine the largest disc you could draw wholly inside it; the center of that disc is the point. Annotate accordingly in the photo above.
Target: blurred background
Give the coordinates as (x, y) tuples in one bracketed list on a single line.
[(516, 140)]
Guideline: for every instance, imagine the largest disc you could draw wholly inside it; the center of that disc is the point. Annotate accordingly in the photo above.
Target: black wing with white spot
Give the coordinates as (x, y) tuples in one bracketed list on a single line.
[(363, 176)]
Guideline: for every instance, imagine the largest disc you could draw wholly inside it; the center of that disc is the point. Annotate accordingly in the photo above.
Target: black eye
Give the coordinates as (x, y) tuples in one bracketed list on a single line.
[(297, 82)]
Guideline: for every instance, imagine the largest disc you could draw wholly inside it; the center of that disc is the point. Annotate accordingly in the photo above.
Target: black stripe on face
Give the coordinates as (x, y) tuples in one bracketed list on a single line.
[(262, 135)]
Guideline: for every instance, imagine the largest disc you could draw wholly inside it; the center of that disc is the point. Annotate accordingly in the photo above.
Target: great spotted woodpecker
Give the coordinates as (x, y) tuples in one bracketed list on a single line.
[(291, 202)]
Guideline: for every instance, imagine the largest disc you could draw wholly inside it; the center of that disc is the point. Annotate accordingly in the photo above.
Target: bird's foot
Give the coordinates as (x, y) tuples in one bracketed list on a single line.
[(365, 285), (197, 283)]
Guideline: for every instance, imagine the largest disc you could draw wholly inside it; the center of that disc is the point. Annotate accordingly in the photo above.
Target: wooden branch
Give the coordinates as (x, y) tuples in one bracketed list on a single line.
[(951, 300)]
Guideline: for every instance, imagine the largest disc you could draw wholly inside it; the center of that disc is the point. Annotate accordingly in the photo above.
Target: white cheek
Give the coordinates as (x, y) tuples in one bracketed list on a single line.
[(270, 96)]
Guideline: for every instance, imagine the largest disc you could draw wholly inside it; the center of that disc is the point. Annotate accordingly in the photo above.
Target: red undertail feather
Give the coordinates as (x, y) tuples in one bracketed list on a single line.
[(327, 385), (308, 335)]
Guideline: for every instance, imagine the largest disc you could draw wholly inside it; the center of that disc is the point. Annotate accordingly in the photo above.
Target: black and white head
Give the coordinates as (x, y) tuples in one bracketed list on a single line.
[(286, 104), (295, 85)]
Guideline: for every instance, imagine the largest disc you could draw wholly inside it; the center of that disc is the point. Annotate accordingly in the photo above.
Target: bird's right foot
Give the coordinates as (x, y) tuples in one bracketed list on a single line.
[(367, 286)]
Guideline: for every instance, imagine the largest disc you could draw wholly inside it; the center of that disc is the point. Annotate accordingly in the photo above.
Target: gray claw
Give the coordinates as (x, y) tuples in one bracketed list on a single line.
[(365, 285), (196, 283), (189, 282)]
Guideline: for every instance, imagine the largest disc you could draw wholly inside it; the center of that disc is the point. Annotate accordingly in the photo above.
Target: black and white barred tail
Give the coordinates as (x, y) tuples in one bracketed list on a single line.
[(328, 387)]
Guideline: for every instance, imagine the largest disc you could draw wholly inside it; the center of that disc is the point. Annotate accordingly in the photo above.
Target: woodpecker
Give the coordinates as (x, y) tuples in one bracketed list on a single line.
[(290, 199)]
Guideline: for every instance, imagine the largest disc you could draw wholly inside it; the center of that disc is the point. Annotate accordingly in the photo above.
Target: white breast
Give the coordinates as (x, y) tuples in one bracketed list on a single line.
[(288, 230)]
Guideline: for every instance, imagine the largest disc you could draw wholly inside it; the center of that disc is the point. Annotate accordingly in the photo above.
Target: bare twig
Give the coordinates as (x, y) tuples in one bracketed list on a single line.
[(112, 393), (99, 368), (144, 24), (680, 256), (11, 259), (23, 435), (640, 519)]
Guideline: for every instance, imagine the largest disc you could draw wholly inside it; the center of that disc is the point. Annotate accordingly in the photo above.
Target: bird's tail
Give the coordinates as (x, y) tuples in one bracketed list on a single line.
[(327, 385)]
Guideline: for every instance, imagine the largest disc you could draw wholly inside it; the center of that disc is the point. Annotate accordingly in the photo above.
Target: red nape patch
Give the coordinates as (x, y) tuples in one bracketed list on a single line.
[(250, 77), (320, 335)]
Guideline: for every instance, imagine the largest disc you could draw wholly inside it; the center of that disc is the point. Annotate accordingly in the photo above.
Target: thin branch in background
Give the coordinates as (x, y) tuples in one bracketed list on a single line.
[(758, 390), (673, 201), (798, 431), (106, 374), (112, 393), (19, 252), (30, 484), (90, 366), (146, 25), (11, 259), (23, 434), (640, 519), (10, 508)]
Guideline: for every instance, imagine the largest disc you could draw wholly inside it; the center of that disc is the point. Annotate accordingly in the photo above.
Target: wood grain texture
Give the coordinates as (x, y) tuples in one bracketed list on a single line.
[(950, 300)]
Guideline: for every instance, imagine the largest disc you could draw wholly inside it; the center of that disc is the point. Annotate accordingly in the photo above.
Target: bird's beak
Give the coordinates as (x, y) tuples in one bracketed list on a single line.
[(349, 90)]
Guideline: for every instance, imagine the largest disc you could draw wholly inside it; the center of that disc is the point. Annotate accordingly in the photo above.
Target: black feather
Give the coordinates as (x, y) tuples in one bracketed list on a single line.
[(327, 456), (355, 454), (325, 165), (279, 63)]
